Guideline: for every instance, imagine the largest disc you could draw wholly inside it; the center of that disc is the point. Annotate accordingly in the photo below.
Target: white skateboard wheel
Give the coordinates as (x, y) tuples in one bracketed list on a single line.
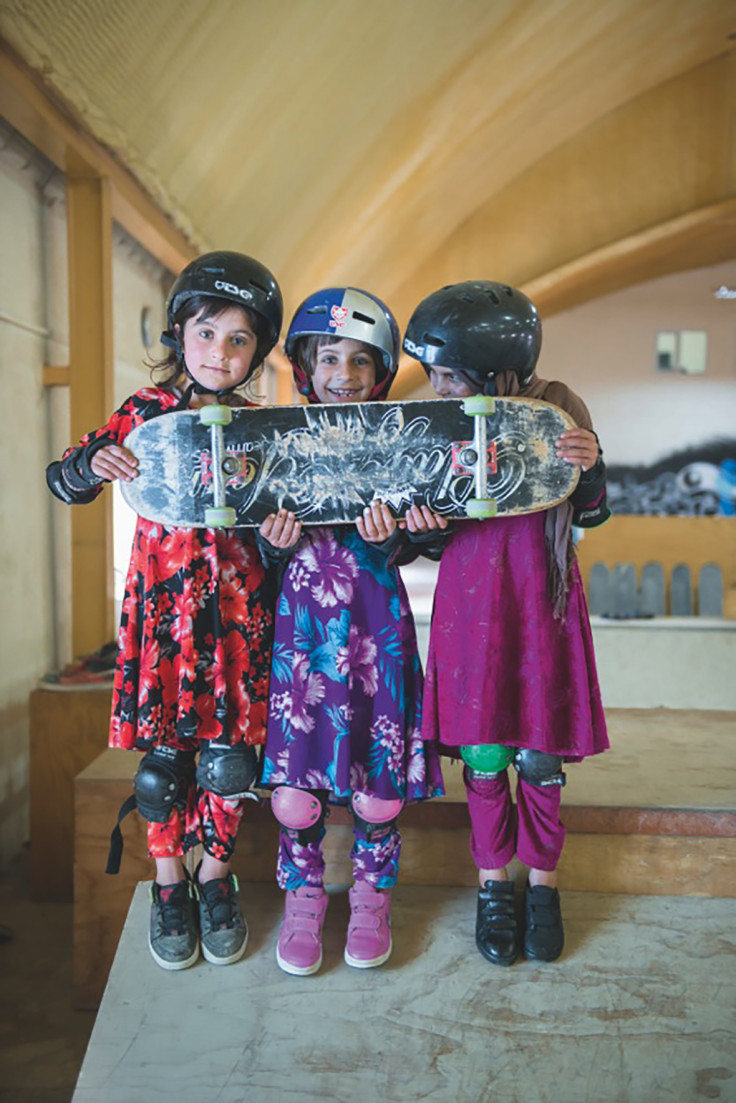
[(219, 517), (479, 404), (481, 508), (215, 415)]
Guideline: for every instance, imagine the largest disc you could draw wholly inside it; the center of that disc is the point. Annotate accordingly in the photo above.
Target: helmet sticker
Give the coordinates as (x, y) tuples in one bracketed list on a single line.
[(339, 316)]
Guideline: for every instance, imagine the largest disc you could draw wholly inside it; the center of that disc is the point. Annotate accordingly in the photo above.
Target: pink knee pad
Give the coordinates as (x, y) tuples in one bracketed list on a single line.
[(296, 809), (375, 809)]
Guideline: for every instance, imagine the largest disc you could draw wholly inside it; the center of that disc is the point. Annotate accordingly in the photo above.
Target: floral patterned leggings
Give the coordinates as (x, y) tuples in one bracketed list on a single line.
[(374, 860), (207, 818)]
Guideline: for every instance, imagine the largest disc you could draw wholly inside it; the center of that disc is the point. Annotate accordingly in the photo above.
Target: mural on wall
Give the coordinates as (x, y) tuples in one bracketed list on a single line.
[(695, 482)]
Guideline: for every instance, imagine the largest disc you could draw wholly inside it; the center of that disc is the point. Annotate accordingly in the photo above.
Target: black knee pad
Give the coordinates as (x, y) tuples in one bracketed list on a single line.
[(228, 771), (539, 768), (161, 782)]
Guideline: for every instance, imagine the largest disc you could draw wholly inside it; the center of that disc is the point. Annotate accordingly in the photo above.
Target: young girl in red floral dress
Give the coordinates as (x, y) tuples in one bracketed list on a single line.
[(191, 684)]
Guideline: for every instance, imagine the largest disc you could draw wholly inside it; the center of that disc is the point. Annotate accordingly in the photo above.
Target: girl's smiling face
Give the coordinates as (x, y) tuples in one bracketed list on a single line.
[(219, 351), (344, 371)]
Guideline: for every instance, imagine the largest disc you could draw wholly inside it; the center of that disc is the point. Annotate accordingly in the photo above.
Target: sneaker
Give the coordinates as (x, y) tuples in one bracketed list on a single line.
[(369, 930), (223, 929), (173, 936), (496, 935), (544, 937), (299, 949)]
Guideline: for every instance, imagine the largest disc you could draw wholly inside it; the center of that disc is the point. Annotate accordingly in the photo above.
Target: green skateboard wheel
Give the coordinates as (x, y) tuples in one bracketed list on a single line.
[(479, 404), (481, 508), (219, 517), (215, 415)]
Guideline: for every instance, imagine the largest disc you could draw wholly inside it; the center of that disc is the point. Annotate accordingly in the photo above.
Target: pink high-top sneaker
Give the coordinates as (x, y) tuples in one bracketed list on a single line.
[(369, 930), (299, 949)]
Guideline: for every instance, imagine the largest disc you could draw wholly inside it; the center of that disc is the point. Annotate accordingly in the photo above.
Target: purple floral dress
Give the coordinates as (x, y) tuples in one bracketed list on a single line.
[(346, 690)]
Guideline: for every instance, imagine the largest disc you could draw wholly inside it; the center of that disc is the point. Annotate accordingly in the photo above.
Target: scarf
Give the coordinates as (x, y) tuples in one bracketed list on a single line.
[(558, 520)]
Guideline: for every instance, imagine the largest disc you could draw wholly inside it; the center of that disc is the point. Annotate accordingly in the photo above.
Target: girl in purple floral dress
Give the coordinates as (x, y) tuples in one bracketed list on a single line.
[(344, 722)]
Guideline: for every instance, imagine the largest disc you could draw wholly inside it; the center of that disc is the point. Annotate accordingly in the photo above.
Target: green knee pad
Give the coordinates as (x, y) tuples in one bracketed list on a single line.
[(489, 758)]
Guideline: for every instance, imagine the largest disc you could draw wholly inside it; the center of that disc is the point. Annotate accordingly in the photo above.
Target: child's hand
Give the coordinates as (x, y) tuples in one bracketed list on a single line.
[(421, 519), (115, 462), (376, 524), (578, 447), (281, 529)]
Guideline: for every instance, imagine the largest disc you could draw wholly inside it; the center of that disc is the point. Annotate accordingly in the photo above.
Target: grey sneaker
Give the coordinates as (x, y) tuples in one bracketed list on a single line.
[(223, 929), (173, 936)]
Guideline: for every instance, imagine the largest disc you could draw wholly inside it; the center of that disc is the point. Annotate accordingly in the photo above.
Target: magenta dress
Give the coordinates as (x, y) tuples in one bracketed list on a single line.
[(501, 668)]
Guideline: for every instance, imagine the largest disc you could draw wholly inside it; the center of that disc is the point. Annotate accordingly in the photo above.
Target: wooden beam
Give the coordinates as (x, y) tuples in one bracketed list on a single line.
[(52, 127), (53, 375), (89, 237)]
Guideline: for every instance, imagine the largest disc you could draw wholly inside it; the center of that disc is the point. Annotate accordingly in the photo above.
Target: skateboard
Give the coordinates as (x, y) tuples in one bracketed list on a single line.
[(473, 457)]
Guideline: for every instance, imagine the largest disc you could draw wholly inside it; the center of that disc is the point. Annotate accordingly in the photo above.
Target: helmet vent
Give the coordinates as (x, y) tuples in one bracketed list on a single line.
[(491, 294), (363, 318), (437, 342), (321, 309)]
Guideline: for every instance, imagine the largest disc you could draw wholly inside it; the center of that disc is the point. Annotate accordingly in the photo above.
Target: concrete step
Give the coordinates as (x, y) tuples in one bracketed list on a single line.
[(654, 815), (639, 1008)]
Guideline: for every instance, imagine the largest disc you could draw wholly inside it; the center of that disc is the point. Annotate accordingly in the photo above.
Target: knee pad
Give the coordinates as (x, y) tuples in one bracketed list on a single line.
[(300, 811), (539, 768), (228, 771), (487, 760), (375, 816), (161, 782)]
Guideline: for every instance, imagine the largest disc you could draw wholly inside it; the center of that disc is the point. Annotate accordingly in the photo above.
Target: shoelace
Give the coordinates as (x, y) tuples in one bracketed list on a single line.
[(220, 901), (172, 909)]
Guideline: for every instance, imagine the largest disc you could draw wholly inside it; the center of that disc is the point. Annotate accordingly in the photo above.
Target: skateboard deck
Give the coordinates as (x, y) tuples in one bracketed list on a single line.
[(234, 466)]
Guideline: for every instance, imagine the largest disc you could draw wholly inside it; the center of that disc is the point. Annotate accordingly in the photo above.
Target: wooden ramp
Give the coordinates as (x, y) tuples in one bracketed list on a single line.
[(640, 1009)]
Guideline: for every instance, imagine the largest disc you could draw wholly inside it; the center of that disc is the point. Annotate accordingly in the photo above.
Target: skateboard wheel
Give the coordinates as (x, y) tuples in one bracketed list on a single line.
[(219, 517), (479, 404), (481, 508), (215, 415)]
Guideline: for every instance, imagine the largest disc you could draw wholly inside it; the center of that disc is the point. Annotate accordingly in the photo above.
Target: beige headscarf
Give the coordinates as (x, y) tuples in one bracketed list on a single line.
[(558, 521)]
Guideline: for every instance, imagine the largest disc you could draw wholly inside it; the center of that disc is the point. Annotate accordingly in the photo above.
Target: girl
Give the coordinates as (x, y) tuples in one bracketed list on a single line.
[(511, 672), (344, 711), (195, 633)]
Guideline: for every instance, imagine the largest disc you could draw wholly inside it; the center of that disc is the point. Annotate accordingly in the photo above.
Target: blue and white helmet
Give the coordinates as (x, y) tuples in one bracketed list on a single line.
[(346, 312)]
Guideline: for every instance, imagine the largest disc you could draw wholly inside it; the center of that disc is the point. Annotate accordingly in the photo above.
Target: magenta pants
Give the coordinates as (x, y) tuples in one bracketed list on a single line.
[(531, 830)]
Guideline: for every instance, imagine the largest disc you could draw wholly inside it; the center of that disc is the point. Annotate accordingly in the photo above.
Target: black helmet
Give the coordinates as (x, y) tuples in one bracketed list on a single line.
[(239, 279), (479, 328)]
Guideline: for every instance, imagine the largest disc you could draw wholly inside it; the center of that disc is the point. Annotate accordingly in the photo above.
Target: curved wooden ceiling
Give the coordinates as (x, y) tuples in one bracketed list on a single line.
[(568, 146)]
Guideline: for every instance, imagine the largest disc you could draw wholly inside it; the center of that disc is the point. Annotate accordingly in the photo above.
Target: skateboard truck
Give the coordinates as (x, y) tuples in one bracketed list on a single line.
[(478, 406), (219, 515)]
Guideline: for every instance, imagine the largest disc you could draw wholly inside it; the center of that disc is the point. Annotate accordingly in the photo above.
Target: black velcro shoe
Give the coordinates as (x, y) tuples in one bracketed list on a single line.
[(544, 936), (496, 935)]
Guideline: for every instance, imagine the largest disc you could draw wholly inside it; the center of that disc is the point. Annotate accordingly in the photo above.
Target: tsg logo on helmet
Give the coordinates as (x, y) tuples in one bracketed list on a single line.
[(232, 289)]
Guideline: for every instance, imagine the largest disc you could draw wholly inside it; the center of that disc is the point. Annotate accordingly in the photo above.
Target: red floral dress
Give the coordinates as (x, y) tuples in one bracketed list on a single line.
[(194, 645)]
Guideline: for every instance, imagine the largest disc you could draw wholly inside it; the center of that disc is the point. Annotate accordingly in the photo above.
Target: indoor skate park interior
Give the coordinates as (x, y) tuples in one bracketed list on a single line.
[(583, 151)]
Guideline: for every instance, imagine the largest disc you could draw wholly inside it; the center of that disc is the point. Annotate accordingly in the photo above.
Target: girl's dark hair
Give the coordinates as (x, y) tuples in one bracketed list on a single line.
[(306, 349), (166, 372)]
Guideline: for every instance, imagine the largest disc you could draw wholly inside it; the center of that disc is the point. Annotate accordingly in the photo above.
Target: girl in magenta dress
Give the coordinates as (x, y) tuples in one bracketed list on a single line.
[(344, 722), (511, 676), (197, 620)]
